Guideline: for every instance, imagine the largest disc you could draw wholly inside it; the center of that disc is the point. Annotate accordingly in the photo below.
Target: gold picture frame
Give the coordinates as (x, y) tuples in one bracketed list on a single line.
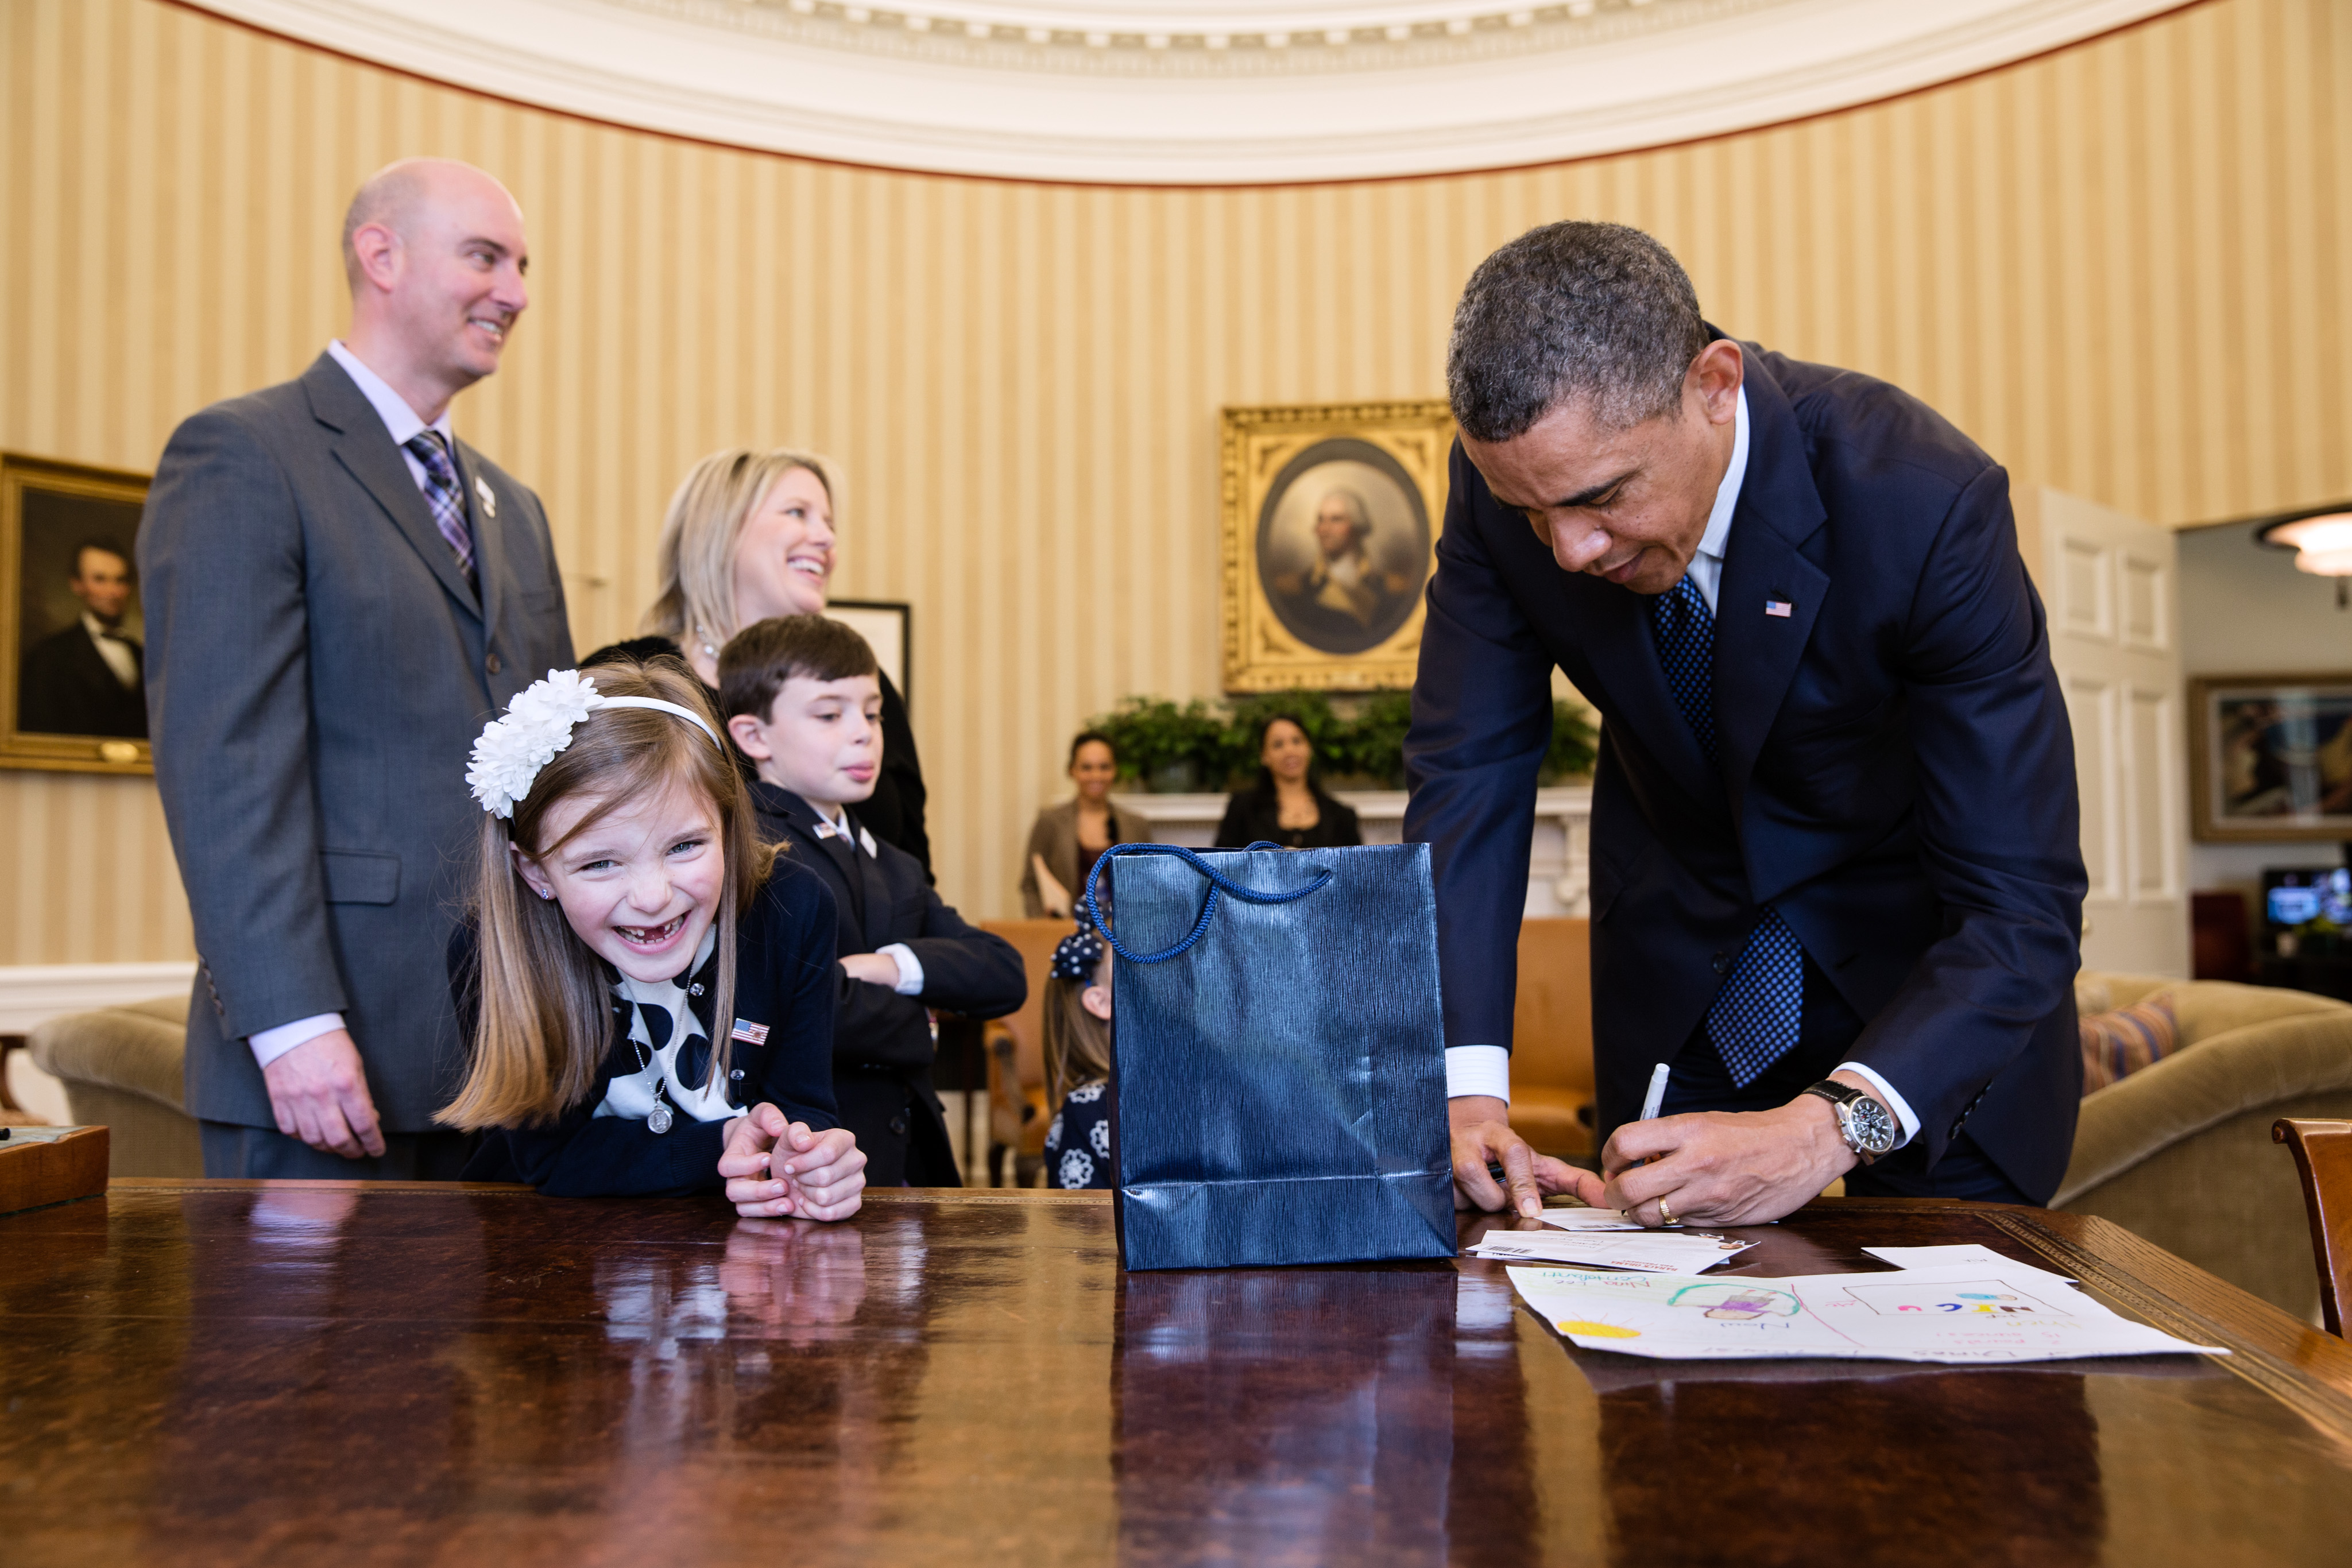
[(1331, 513), (67, 532), (2270, 758)]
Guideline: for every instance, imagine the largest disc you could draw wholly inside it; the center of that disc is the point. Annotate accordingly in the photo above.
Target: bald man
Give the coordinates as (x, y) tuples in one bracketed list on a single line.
[(339, 593)]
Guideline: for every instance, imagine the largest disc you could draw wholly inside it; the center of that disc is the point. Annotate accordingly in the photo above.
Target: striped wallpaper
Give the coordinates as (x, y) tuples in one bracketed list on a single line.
[(2122, 267)]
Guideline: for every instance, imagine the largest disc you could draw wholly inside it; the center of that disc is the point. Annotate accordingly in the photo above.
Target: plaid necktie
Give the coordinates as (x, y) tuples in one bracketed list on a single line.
[(1756, 1016), (441, 493)]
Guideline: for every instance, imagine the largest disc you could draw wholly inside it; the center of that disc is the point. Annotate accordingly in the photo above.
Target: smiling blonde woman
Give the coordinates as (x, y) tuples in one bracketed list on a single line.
[(750, 536)]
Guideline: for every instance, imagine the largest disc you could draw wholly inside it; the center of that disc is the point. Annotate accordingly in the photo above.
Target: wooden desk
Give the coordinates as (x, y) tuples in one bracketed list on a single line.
[(207, 1372)]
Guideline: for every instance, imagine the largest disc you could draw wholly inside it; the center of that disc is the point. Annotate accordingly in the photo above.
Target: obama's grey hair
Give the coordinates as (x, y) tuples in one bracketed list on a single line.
[(1571, 310)]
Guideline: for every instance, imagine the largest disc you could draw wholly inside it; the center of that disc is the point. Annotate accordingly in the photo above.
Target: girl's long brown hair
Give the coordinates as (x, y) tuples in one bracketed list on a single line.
[(1077, 1043), (546, 1019)]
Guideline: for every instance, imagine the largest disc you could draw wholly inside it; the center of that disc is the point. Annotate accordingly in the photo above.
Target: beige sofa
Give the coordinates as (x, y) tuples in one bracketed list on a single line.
[(2180, 1152), (121, 1069)]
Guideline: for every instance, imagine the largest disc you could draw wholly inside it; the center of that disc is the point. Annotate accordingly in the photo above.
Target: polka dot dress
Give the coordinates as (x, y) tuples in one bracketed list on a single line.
[(1755, 1017), (1078, 1142)]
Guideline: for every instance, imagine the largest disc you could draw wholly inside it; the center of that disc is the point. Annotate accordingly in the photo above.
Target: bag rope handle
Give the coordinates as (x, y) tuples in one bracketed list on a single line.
[(1218, 883)]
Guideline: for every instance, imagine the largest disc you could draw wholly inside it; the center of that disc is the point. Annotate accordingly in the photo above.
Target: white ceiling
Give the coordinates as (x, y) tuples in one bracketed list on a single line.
[(1215, 92)]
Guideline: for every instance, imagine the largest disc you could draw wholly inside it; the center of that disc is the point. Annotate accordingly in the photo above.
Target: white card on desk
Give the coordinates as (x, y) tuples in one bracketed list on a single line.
[(1652, 1251)]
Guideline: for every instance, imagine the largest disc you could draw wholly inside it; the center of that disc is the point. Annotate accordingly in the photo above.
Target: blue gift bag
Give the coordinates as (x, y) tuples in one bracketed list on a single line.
[(1277, 1056)]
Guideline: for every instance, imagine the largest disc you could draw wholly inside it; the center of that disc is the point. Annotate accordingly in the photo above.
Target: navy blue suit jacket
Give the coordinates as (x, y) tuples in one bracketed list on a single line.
[(1896, 773)]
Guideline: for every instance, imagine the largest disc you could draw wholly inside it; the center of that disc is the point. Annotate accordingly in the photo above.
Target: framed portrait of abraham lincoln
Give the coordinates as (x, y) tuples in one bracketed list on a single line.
[(73, 693), (1330, 516)]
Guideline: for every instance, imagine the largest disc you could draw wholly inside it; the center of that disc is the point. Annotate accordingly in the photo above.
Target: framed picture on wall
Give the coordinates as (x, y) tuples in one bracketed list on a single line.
[(1330, 519), (2271, 758), (889, 627), (73, 693)]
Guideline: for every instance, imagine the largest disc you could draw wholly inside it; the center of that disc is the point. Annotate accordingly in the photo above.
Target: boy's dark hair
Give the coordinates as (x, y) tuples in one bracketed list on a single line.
[(758, 660)]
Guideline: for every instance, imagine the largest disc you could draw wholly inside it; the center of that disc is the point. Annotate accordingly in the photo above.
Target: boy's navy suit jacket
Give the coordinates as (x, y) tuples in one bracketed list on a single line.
[(1895, 773), (965, 969)]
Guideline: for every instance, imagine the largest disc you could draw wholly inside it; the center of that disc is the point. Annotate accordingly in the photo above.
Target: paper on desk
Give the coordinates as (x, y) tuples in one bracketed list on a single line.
[(1963, 1314), (1652, 1251), (1966, 1252)]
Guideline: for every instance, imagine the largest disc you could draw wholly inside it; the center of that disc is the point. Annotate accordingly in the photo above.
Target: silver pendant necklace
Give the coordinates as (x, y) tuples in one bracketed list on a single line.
[(659, 1117)]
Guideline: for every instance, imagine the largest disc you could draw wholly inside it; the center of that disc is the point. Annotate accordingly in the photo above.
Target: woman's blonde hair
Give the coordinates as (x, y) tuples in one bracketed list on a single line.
[(546, 1019), (701, 531)]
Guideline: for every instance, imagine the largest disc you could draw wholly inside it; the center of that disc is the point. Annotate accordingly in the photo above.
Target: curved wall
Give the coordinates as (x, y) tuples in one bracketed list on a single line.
[(2121, 267)]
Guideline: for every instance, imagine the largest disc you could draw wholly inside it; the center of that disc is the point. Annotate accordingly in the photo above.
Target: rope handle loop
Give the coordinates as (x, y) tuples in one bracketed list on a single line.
[(1218, 883)]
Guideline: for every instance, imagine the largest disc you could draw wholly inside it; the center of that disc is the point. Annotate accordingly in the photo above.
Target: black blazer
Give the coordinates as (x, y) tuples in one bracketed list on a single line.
[(1255, 816), (67, 688), (965, 970), (895, 811), (1896, 774), (783, 980)]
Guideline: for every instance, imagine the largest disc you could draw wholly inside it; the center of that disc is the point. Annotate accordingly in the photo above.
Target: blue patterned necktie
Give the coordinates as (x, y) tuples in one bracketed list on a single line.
[(441, 494), (1756, 1015)]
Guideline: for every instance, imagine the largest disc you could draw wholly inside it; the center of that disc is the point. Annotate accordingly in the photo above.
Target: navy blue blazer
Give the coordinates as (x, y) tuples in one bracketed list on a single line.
[(965, 969), (783, 978), (1896, 773)]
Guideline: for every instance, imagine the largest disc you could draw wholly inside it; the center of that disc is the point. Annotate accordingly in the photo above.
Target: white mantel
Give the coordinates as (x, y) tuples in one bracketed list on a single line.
[(1558, 861)]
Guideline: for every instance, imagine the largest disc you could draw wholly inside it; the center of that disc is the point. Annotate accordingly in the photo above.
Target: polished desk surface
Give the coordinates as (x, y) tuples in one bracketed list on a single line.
[(247, 1372)]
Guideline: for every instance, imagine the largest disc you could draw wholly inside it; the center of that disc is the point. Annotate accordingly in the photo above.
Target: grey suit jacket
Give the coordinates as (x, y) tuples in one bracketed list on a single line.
[(316, 670)]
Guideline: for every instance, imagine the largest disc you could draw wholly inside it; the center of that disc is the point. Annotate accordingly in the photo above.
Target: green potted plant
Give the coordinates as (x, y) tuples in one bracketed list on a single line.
[(1575, 746), (1166, 748)]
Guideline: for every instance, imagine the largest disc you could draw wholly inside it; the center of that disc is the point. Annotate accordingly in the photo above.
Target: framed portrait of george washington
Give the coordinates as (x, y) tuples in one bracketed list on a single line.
[(73, 693), (1330, 519)]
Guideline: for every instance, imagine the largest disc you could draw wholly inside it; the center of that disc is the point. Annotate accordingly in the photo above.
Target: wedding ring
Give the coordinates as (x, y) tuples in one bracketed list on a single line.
[(1665, 1215)]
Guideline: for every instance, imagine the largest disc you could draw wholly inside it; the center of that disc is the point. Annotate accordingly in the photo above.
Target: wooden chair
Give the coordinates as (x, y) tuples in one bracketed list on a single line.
[(1551, 1037), (1018, 1113), (2322, 1155)]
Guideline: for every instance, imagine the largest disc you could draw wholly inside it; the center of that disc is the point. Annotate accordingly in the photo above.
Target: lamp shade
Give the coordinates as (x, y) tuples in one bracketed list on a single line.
[(2322, 545)]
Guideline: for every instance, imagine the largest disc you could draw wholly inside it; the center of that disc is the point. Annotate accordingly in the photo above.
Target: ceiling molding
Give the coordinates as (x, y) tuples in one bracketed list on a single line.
[(1164, 93)]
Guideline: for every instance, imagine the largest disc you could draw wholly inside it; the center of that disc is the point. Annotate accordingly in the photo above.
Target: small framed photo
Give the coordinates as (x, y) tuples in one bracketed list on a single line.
[(73, 685), (1331, 513), (889, 628), (2271, 758)]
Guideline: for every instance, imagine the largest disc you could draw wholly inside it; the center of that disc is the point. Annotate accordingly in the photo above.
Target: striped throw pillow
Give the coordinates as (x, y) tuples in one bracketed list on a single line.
[(2117, 1044)]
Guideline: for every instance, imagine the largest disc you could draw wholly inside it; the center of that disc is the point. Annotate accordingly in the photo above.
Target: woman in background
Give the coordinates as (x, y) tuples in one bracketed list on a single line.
[(1069, 838), (1287, 805), (750, 536)]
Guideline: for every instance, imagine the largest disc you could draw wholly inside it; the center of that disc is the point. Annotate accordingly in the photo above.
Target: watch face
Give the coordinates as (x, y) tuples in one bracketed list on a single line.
[(1874, 1125)]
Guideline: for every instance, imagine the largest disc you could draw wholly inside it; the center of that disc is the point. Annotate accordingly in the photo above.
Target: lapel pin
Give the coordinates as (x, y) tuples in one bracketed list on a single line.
[(750, 1033), (482, 493), (1779, 607)]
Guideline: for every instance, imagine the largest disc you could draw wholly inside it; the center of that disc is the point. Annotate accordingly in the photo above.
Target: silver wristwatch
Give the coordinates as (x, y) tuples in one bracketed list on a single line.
[(1868, 1127)]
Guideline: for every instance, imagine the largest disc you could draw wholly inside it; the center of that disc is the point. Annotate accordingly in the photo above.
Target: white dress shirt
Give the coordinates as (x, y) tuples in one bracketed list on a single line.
[(403, 422), (1486, 1069)]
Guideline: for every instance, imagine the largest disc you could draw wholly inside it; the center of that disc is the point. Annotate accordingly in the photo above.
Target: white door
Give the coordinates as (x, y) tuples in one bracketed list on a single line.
[(2110, 584)]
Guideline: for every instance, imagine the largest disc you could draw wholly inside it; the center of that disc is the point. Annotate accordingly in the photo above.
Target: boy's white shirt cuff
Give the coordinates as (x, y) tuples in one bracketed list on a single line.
[(1895, 1102), (910, 968), (1478, 1070), (269, 1044)]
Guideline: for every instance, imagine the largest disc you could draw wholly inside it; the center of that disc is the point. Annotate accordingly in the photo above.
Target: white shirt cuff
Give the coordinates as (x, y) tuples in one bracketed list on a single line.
[(1478, 1070), (1895, 1102), (910, 968), (269, 1044)]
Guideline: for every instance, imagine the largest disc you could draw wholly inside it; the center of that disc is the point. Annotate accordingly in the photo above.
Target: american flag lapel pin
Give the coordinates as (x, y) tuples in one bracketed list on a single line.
[(750, 1033), (1779, 607)]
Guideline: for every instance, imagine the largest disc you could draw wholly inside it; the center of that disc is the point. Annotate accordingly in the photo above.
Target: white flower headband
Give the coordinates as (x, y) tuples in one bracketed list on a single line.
[(537, 725)]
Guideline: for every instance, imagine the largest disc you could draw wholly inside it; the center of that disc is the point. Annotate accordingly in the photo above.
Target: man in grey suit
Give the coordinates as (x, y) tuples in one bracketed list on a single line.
[(338, 594)]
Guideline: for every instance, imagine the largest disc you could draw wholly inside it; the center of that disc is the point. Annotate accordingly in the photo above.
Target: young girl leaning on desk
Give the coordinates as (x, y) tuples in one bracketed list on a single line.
[(646, 988)]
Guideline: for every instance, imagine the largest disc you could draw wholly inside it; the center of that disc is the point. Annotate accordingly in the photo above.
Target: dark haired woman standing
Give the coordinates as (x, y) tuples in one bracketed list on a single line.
[(1287, 805)]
